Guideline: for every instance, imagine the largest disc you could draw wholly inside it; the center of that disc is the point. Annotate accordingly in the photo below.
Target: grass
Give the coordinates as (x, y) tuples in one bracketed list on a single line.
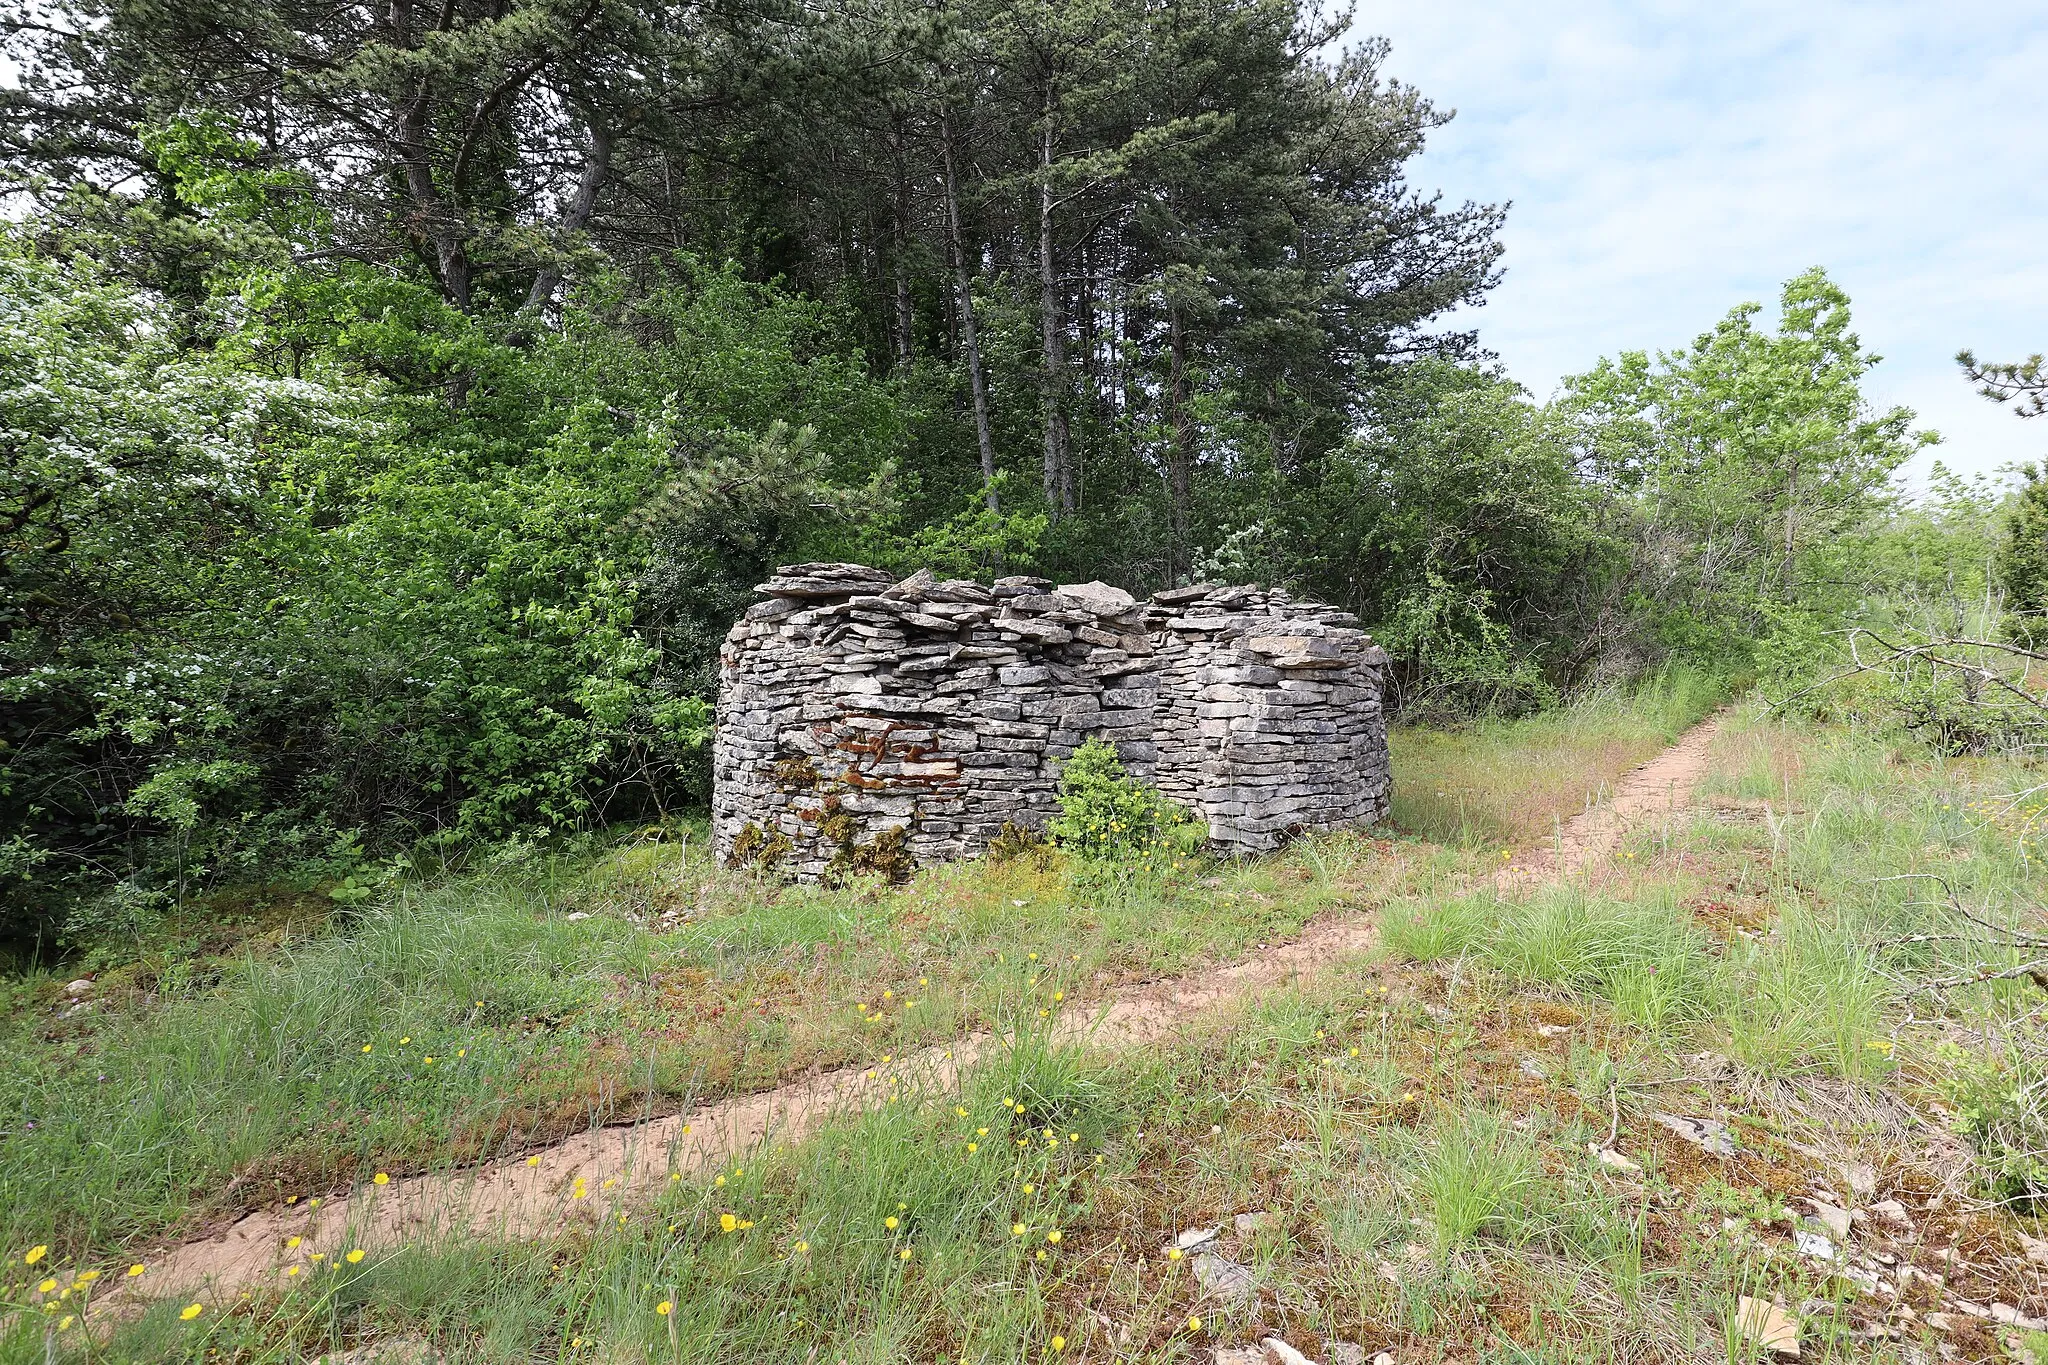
[(558, 990), (1411, 1140), (1512, 783), (487, 1013)]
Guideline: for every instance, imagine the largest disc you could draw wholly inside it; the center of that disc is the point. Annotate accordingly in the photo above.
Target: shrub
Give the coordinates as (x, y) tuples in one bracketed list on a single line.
[(2000, 1105), (1106, 814)]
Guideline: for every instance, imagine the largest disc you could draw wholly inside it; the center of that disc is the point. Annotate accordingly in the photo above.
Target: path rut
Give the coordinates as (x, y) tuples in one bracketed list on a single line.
[(619, 1167)]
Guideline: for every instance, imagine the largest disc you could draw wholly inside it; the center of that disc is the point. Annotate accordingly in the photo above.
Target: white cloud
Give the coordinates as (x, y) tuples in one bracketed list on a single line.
[(1667, 161)]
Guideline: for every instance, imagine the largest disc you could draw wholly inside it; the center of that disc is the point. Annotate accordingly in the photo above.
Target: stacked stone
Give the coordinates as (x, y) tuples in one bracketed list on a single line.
[(1269, 723), (866, 723)]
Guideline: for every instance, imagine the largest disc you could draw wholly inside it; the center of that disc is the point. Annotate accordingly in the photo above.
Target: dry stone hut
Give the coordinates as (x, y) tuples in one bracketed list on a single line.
[(870, 724)]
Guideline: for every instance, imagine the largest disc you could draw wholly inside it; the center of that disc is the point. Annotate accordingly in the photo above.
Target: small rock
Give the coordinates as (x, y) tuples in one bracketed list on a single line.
[(572, 917), (82, 1007), (82, 986), (2035, 1247), (1893, 1213), (1278, 1350), (1769, 1326), (2013, 1317), (1614, 1160), (1975, 1310), (1553, 1030), (1835, 1220), (1194, 1237), (1240, 1355), (1533, 1069), (1248, 1224), (1861, 1177), (1222, 1278), (1941, 1322), (1714, 1136), (1347, 1353), (1814, 1245)]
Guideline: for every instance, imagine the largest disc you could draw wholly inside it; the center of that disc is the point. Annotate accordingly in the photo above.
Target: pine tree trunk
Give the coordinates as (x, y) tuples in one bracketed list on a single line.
[(900, 225), (1180, 456), (969, 339), (1058, 479)]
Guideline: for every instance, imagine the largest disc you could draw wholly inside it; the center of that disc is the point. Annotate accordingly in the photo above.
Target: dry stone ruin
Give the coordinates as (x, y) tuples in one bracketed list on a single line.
[(866, 724)]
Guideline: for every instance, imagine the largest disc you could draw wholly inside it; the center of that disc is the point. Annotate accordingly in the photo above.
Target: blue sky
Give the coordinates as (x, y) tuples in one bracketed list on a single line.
[(1667, 161)]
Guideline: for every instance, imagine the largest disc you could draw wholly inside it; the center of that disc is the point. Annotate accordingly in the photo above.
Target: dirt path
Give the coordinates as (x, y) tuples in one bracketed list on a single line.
[(593, 1177), (1659, 788)]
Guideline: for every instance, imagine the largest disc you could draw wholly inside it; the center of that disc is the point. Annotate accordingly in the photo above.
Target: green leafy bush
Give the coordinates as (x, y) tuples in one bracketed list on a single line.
[(1108, 815), (2000, 1103)]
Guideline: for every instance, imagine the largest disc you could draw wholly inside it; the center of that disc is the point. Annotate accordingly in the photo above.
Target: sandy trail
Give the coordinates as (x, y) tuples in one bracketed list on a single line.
[(593, 1177)]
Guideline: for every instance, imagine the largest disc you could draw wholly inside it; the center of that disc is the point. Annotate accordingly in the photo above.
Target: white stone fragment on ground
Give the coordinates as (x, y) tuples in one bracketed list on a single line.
[(1347, 1353), (2013, 1317), (1553, 1030), (1279, 1351), (1710, 1134), (1240, 1355), (1814, 1245), (1769, 1326), (2035, 1247), (1248, 1224), (82, 986), (1835, 1220), (1893, 1214), (578, 915), (1861, 1177), (1191, 1238), (1533, 1069), (1614, 1160)]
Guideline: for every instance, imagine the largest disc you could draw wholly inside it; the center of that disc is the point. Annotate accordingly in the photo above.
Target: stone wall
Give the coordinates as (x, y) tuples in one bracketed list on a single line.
[(870, 724)]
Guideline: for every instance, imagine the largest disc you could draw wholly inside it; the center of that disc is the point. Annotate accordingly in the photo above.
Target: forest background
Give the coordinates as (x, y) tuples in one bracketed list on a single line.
[(397, 404)]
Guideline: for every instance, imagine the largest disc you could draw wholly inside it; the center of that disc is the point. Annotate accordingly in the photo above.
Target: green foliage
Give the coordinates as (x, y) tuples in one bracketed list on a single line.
[(282, 588), (2022, 562), (1107, 815), (2000, 1104)]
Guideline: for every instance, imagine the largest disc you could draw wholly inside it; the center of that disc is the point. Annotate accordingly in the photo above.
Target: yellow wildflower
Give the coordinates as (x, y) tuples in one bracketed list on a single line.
[(191, 1311), (726, 1222), (35, 1253), (664, 1308), (381, 1178), (355, 1257)]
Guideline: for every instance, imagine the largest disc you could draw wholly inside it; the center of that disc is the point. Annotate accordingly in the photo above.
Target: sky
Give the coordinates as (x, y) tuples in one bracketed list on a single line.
[(1665, 162)]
